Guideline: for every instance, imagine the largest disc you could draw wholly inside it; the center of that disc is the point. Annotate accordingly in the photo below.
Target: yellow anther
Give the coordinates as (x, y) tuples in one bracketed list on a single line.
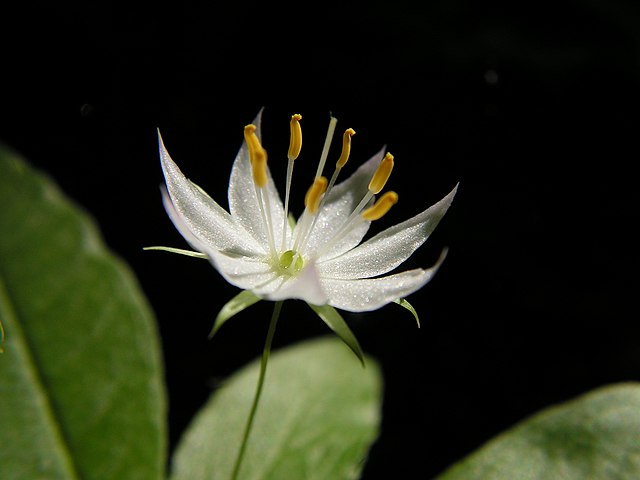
[(346, 147), (252, 139), (314, 194), (257, 156), (381, 207), (381, 176), (296, 137)]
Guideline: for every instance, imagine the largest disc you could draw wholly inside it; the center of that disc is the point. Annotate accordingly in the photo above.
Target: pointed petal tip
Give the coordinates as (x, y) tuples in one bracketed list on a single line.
[(164, 154), (257, 121), (443, 255), (443, 204), (448, 198), (381, 152)]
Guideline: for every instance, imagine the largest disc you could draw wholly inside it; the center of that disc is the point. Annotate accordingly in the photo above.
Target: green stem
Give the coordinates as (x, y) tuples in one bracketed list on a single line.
[(263, 369)]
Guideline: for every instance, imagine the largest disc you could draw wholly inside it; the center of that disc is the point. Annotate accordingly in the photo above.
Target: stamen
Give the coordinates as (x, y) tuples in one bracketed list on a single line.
[(250, 136), (312, 203), (310, 220), (381, 176), (296, 137), (346, 147), (381, 207), (376, 184), (344, 156), (258, 159), (257, 156), (327, 144), (314, 194), (295, 146)]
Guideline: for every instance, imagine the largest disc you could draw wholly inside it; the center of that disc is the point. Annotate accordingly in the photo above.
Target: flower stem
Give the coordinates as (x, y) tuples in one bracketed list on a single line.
[(263, 369)]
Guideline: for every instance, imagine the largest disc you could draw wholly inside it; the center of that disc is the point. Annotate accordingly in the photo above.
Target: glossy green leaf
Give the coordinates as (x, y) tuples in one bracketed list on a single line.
[(81, 381), (318, 416), (594, 437)]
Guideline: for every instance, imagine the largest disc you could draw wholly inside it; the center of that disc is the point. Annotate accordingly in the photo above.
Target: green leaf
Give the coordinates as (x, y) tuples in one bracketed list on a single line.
[(318, 416), (595, 437), (244, 299), (81, 381), (335, 322)]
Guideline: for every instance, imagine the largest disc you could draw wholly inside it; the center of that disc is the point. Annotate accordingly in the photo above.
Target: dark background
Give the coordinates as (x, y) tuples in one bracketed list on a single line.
[(532, 108)]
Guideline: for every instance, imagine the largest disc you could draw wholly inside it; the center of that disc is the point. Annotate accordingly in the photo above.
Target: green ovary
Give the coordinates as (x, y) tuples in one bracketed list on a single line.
[(287, 265)]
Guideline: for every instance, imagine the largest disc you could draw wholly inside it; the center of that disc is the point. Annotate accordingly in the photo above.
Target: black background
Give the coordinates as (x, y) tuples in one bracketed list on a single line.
[(532, 108)]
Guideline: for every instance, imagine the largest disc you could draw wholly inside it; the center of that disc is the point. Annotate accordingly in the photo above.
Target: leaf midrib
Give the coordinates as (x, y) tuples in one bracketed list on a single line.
[(23, 351)]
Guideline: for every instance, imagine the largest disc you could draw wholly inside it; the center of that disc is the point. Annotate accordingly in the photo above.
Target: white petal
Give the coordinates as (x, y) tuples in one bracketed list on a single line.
[(244, 272), (341, 201), (200, 218), (176, 219), (388, 249), (372, 293), (305, 286), (243, 201)]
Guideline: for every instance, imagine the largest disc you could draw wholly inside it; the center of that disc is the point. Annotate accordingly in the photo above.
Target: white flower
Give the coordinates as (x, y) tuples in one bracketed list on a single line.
[(320, 259)]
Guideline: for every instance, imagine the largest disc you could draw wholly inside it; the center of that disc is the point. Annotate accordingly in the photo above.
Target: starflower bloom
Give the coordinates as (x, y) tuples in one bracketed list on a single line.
[(319, 258)]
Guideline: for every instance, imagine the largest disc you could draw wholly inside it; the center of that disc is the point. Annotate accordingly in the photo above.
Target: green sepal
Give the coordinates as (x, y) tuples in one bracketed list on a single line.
[(244, 299), (335, 322), (403, 303), (179, 251)]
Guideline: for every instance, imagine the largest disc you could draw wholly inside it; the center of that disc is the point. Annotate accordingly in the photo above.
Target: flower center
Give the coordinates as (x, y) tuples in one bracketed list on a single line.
[(290, 262)]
